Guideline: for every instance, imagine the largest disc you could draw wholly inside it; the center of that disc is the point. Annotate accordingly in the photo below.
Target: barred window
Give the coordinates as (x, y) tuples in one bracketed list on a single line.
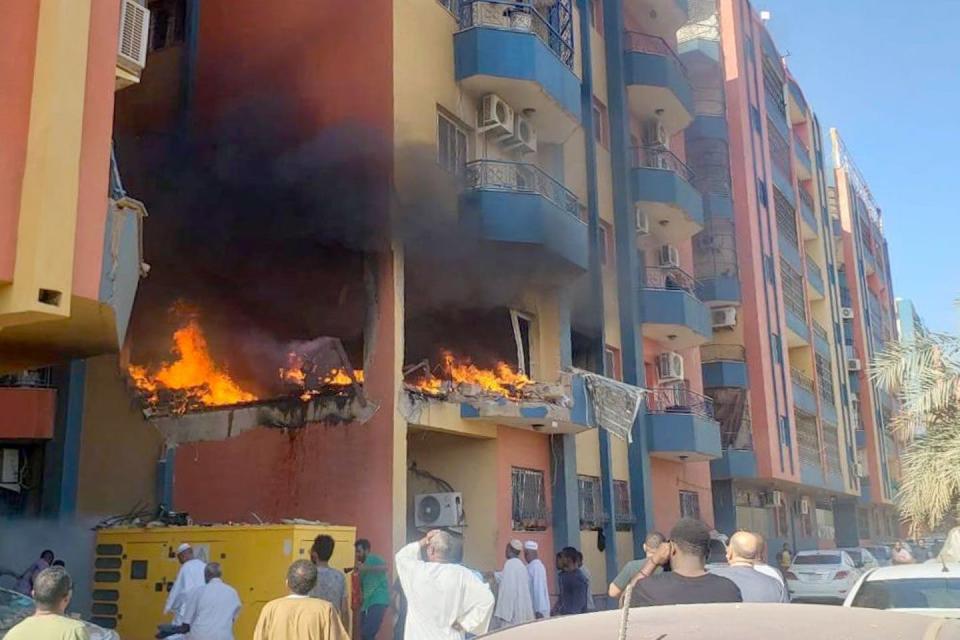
[(621, 505), (689, 504), (793, 295), (451, 145), (808, 437), (779, 150), (529, 512), (825, 378), (786, 218), (591, 502)]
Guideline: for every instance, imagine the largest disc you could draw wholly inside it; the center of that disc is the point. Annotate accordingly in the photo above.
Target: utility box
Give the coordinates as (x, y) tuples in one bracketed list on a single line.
[(135, 568)]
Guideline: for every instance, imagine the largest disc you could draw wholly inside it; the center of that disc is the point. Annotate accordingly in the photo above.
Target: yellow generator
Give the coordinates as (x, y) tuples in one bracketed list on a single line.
[(135, 568)]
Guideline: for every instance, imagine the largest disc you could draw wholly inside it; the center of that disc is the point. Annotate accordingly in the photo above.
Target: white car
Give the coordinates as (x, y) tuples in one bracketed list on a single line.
[(915, 588), (821, 575), (862, 558)]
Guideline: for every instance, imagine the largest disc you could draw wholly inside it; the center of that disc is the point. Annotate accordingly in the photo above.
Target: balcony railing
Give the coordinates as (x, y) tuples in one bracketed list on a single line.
[(802, 148), (820, 332), (516, 16), (661, 158), (32, 378), (520, 177), (679, 399), (673, 278), (655, 45), (722, 352), (806, 198), (801, 380), (814, 274)]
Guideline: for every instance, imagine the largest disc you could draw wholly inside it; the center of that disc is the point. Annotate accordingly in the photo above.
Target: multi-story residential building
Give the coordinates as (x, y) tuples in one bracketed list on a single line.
[(868, 324), (909, 323), (70, 256)]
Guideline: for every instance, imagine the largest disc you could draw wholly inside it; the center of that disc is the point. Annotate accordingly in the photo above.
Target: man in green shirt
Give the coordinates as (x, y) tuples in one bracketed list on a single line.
[(634, 567), (375, 588), (52, 590)]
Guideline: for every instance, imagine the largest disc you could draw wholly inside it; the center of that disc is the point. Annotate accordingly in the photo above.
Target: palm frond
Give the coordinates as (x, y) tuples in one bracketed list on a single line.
[(930, 486)]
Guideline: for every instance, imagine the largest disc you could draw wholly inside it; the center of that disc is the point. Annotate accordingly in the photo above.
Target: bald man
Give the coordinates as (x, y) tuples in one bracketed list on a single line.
[(742, 553)]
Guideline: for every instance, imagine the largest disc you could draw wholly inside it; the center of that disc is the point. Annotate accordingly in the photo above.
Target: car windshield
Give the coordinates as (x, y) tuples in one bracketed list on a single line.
[(857, 556), (913, 593), (817, 558)]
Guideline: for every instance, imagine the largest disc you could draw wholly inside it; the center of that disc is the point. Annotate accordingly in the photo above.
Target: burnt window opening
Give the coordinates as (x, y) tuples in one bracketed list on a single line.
[(522, 327), (689, 504), (167, 23), (529, 502), (585, 351)]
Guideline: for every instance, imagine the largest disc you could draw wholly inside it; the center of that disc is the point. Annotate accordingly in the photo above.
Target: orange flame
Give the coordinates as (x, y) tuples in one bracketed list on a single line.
[(193, 372), (502, 379), (295, 373)]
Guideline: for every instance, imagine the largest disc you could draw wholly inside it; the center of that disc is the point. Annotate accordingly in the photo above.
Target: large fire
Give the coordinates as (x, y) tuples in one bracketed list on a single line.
[(302, 372), (453, 371), (193, 378)]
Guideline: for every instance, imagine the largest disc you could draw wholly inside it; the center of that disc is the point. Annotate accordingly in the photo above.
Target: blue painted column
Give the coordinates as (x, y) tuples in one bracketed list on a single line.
[(62, 453), (563, 452)]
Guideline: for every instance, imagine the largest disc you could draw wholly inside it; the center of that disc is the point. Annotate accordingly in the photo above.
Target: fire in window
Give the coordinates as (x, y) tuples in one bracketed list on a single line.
[(451, 145), (621, 505), (529, 511), (689, 504), (591, 502)]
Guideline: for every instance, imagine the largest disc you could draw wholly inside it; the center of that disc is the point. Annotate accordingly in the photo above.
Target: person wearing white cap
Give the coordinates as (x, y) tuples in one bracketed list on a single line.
[(189, 578), (539, 594), (514, 604)]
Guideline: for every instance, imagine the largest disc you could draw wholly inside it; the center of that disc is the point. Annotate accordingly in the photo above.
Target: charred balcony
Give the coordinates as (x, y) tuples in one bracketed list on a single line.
[(657, 82), (670, 310), (681, 424), (513, 50), (663, 189)]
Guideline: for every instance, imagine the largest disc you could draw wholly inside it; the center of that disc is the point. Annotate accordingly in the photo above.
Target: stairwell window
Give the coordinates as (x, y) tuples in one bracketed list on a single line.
[(451, 145), (529, 501), (689, 504), (601, 125)]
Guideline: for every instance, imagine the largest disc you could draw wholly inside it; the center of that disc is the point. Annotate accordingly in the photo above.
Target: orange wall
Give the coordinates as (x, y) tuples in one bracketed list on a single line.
[(18, 43), (27, 414), (668, 479)]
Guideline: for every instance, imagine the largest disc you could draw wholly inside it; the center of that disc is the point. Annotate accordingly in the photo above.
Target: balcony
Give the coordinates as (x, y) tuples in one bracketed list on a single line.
[(723, 366), (657, 83), (869, 261), (670, 310), (799, 334), (790, 252), (734, 463), (663, 17), (801, 153), (510, 49), (804, 392), (814, 279), (782, 181), (807, 216), (821, 341), (798, 104), (663, 186), (28, 402), (520, 206), (776, 114), (681, 425)]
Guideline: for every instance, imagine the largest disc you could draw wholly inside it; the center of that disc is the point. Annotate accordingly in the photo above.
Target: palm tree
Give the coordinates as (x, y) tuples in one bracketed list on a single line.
[(925, 374)]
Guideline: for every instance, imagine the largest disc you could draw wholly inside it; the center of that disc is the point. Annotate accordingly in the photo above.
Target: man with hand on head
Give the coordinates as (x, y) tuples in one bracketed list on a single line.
[(638, 569)]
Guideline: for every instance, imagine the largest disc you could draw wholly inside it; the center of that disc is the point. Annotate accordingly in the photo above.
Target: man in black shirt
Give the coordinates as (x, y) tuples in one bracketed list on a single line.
[(688, 582)]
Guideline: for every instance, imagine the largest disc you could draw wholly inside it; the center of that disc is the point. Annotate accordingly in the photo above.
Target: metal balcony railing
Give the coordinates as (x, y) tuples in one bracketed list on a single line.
[(661, 158), (678, 398), (636, 42), (801, 380), (722, 352), (802, 147), (806, 198), (520, 177), (814, 274), (32, 378), (673, 278), (516, 16), (820, 332)]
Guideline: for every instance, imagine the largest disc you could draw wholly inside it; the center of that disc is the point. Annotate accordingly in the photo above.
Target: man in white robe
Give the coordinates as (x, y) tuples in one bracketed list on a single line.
[(539, 594), (444, 600), (514, 604), (212, 610), (189, 578)]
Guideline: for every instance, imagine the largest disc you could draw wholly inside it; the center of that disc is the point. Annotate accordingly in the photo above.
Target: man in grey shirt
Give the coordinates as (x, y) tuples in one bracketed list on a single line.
[(632, 569), (742, 553), (331, 584)]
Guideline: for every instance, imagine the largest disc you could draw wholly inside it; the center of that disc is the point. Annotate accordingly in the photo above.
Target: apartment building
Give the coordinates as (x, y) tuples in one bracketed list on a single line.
[(70, 259)]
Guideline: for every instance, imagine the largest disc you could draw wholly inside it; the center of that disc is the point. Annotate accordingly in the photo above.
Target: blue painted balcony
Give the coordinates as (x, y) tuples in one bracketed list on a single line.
[(798, 104), (720, 289), (804, 392), (861, 438), (657, 83), (681, 425), (782, 181), (801, 153), (670, 310), (821, 341), (663, 187), (713, 126), (799, 332), (734, 463), (699, 42), (807, 216), (723, 366), (828, 410), (511, 49), (814, 280), (519, 206), (790, 252), (776, 115)]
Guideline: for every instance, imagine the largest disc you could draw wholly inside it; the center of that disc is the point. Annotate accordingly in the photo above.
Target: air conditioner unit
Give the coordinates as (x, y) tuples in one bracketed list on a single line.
[(643, 224), (804, 506), (669, 256), (496, 116), (724, 317), (433, 510), (846, 313), (655, 134), (524, 138), (670, 366), (854, 364), (777, 498), (861, 472), (133, 37), (9, 466)]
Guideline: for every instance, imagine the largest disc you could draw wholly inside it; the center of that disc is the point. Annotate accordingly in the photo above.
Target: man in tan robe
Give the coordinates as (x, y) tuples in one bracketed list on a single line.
[(298, 616)]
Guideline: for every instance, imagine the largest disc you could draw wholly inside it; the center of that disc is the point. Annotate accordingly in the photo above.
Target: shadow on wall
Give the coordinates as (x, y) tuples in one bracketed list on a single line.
[(23, 541)]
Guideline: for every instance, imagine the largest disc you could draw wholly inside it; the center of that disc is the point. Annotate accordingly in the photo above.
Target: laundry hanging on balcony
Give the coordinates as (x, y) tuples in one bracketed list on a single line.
[(613, 405)]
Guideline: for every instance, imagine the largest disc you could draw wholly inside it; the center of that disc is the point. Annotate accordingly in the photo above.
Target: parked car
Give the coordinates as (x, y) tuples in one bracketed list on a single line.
[(747, 621), (862, 558), (881, 553), (717, 555), (14, 607), (916, 588), (821, 575)]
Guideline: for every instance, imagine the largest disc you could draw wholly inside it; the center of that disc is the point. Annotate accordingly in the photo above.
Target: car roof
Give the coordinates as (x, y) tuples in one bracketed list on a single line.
[(819, 552), (907, 571), (746, 621)]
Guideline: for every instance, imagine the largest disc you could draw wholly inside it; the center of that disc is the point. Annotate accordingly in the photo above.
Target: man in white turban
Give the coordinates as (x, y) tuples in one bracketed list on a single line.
[(514, 605), (538, 579)]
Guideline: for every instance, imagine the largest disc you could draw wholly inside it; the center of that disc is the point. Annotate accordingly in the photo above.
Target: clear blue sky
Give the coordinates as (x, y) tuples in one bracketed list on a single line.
[(886, 74)]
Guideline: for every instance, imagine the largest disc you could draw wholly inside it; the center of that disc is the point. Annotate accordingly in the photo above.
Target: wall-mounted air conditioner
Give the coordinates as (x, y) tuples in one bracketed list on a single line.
[(854, 364), (524, 138), (846, 313), (496, 116), (724, 317), (670, 366), (133, 36), (433, 510), (669, 256)]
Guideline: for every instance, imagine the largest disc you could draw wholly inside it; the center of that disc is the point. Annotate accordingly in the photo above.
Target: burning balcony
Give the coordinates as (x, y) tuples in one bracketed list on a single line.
[(681, 424), (663, 187), (518, 205), (511, 49), (657, 83), (670, 310)]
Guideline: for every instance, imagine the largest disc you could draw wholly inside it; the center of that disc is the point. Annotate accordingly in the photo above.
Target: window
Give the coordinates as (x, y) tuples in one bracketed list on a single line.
[(777, 348), (825, 525), (601, 127), (621, 505), (689, 504), (762, 192), (451, 145), (596, 14), (755, 119), (805, 519), (529, 512), (167, 23), (450, 5), (591, 502), (910, 593), (606, 247), (522, 326), (611, 363)]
